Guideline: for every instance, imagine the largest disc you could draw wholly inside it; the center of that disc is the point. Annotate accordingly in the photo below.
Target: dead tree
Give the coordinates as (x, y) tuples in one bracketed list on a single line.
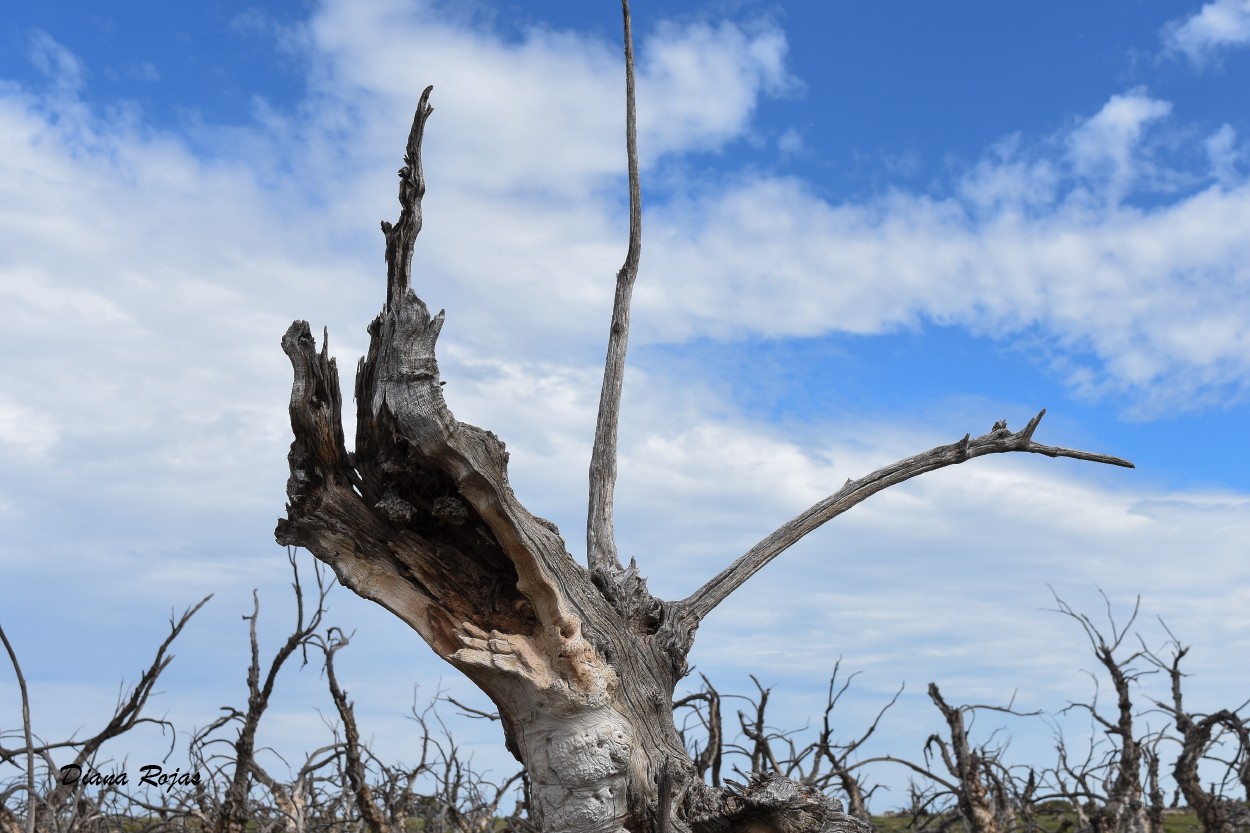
[(238, 769), (1120, 805), (837, 755), (823, 762), (1198, 733), (581, 662), (1240, 727), (975, 789), (62, 803), (357, 780), (707, 756), (981, 795)]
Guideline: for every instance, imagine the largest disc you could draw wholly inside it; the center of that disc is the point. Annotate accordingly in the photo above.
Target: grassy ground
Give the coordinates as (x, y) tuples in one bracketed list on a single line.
[(1175, 821)]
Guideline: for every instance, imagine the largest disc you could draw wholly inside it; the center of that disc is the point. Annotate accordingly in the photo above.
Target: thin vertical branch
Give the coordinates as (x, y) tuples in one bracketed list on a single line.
[(357, 777), (30, 741), (402, 237), (600, 538)]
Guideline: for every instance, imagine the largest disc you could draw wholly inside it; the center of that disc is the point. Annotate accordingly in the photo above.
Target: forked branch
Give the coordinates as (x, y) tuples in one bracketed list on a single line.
[(600, 538), (998, 441)]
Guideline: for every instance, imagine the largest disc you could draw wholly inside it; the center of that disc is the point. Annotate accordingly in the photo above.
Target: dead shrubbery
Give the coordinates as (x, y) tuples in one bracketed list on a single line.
[(1112, 786)]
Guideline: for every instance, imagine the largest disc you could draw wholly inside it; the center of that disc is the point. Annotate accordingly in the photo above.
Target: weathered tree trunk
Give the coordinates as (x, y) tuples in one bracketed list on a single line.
[(581, 663), (1216, 813), (421, 519), (1123, 809), (968, 765)]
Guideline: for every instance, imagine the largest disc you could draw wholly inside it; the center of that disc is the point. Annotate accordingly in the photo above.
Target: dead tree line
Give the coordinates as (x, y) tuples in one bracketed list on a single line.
[(228, 782), (1111, 785), (960, 783)]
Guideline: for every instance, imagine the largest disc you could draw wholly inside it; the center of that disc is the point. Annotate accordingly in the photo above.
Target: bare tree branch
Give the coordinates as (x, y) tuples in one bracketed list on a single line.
[(999, 440), (354, 763), (30, 741), (126, 715), (402, 237), (600, 539), (1124, 804), (710, 758), (1198, 732), (233, 815)]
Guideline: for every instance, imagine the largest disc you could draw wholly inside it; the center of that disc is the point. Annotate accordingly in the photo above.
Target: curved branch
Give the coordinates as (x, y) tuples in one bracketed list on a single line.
[(999, 440), (30, 742), (915, 767), (600, 539)]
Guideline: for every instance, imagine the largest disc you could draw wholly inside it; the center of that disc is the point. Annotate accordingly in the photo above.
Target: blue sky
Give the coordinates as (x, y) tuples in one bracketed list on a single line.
[(869, 229)]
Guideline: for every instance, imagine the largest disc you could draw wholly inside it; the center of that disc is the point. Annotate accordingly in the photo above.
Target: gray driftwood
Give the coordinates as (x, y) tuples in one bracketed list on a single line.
[(581, 661)]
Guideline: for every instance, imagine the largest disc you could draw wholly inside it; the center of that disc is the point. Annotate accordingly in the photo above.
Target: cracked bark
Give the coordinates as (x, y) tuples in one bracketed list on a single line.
[(581, 662)]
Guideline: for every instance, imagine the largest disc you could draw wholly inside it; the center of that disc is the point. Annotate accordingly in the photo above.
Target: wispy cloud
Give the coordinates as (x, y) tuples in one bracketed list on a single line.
[(1205, 36), (57, 63), (1104, 148)]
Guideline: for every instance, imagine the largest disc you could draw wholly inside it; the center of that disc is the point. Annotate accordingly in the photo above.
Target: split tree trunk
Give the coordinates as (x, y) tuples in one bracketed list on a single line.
[(421, 519), (581, 662)]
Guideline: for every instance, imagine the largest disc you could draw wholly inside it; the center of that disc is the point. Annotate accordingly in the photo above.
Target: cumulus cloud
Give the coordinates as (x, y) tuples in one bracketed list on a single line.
[(1216, 27), (1143, 302), (699, 83), (543, 111), (1040, 235)]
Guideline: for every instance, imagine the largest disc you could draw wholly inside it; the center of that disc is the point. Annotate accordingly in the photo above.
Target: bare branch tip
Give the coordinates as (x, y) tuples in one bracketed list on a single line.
[(1027, 433)]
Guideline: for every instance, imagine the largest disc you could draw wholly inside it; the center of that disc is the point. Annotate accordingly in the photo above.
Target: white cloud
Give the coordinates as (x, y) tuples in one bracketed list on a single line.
[(790, 142), (1005, 179), (543, 112), (57, 63), (1224, 155), (1215, 28), (1104, 146), (699, 83), (1145, 303)]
